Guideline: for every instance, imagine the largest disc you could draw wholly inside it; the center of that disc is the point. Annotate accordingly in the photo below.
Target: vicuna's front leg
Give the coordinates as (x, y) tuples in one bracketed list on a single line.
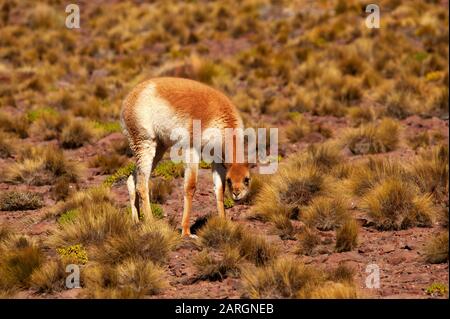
[(190, 182), (218, 172)]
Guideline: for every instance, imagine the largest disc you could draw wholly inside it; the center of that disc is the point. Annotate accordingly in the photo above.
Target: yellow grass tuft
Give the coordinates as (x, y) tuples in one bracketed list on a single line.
[(373, 138), (436, 251), (395, 204)]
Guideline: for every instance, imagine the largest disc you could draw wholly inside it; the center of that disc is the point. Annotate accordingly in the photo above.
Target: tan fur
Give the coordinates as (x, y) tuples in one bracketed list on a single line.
[(149, 114)]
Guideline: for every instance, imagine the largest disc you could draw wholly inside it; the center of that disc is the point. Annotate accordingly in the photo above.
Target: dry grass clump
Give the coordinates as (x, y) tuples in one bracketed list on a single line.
[(160, 188), (83, 199), (326, 213), (361, 115), (107, 164), (324, 156), (396, 204), (308, 240), (95, 222), (219, 231), (298, 129), (149, 241), (365, 176), (132, 278), (257, 249), (14, 124), (289, 278), (373, 138), (256, 183), (217, 268), (289, 190), (19, 257), (335, 290), (49, 277), (48, 125), (42, 166), (7, 147), (347, 236), (430, 171), (436, 252), (76, 134), (14, 200)]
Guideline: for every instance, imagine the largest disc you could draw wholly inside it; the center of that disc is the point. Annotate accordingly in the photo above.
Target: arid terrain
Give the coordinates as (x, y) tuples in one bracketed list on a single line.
[(363, 150)]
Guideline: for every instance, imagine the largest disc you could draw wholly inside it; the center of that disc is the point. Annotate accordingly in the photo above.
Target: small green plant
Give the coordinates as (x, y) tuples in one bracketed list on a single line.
[(34, 115), (437, 289), (228, 202), (205, 165), (68, 217), (169, 169), (157, 210), (75, 253), (120, 174), (107, 127)]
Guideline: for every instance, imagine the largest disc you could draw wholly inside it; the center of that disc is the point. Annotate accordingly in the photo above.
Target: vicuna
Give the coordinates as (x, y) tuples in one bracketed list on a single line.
[(149, 115)]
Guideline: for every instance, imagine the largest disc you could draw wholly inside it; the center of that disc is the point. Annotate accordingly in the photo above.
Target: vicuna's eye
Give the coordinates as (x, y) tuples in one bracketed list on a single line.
[(229, 182), (246, 181)]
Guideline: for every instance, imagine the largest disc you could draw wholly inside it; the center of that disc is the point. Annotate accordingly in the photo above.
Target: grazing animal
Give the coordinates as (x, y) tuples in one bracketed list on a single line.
[(149, 115)]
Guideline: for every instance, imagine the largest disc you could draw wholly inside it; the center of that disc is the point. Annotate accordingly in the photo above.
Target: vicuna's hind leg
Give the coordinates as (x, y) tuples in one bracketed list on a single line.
[(131, 185), (145, 158), (132, 182)]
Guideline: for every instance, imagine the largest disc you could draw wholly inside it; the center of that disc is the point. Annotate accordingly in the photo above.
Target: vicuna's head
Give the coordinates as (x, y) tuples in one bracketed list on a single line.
[(238, 180)]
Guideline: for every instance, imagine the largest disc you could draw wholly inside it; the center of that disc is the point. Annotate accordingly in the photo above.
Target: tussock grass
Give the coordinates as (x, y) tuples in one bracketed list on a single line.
[(94, 223), (6, 145), (289, 278), (430, 171), (347, 236), (14, 200), (395, 204), (150, 241), (160, 189), (19, 257), (76, 134), (286, 278), (49, 277), (436, 251), (219, 231), (335, 290), (217, 268), (289, 190), (17, 125), (298, 129), (257, 249), (373, 138), (48, 125), (326, 213), (365, 176), (132, 278), (308, 241), (42, 166), (107, 164)]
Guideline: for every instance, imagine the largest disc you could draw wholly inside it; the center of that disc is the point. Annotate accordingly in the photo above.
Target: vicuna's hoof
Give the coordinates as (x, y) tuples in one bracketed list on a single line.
[(189, 236)]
